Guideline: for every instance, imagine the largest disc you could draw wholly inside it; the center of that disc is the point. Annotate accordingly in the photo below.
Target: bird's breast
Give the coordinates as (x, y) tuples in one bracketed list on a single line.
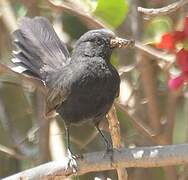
[(91, 95)]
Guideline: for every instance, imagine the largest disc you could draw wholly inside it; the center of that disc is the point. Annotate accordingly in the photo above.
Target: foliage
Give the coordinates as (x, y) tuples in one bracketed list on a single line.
[(113, 12)]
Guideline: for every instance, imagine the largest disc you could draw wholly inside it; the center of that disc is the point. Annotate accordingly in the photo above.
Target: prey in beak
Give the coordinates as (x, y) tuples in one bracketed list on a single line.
[(121, 43)]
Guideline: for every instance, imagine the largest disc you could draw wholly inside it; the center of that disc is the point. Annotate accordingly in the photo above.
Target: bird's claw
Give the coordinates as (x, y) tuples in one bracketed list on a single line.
[(72, 161), (109, 151), (109, 147)]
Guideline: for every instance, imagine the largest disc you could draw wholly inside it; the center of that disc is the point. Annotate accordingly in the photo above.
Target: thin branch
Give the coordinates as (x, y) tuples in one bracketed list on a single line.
[(11, 152), (70, 8), (114, 128), (171, 171), (116, 138), (43, 121), (164, 10), (7, 15), (57, 147), (137, 123), (154, 53), (10, 129), (145, 157), (148, 78), (171, 114)]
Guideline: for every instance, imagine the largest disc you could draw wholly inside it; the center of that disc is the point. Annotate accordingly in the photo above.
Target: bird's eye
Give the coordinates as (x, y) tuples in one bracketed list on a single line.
[(99, 41)]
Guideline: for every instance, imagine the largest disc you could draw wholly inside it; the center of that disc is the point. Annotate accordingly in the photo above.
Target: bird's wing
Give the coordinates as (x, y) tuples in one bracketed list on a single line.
[(62, 83), (59, 87), (41, 50)]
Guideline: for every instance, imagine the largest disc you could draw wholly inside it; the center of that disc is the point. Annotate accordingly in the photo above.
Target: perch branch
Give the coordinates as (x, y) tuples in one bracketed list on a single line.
[(144, 157)]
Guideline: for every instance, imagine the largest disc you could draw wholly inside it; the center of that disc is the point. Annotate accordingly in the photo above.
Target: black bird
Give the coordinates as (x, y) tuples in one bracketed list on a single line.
[(81, 87)]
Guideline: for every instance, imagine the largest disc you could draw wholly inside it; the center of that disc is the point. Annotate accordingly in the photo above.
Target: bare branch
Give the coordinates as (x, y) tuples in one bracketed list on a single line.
[(164, 10), (7, 15), (154, 156), (43, 122), (11, 152), (171, 114), (116, 138), (70, 8), (154, 53), (148, 78), (138, 124)]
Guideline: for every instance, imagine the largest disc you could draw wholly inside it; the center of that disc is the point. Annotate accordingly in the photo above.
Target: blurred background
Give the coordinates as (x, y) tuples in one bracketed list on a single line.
[(149, 112)]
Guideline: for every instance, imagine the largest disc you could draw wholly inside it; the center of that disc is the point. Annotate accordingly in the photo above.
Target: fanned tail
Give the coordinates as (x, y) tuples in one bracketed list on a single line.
[(40, 50)]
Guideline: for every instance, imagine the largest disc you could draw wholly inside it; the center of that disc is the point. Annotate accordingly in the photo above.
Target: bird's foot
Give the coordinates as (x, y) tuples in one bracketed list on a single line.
[(109, 151), (72, 161), (109, 148)]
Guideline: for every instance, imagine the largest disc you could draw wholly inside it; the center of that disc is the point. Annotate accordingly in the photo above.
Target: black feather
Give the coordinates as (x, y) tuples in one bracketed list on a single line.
[(41, 49)]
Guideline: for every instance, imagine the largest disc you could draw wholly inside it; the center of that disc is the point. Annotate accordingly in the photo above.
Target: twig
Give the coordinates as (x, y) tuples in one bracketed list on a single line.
[(11, 152), (57, 147), (170, 172), (184, 174), (148, 78), (155, 156), (114, 128), (9, 127), (137, 123), (40, 108), (70, 8), (8, 15), (153, 53), (116, 138), (164, 10), (171, 114)]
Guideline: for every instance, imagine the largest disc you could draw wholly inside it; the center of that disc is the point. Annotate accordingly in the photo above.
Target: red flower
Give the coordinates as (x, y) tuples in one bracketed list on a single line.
[(178, 36), (167, 42), (182, 60), (175, 83)]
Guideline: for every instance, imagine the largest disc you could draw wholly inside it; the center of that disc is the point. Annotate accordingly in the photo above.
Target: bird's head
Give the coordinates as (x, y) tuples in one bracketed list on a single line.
[(99, 43)]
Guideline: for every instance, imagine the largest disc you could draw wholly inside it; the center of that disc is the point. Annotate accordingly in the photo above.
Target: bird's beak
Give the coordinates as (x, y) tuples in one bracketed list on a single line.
[(121, 43)]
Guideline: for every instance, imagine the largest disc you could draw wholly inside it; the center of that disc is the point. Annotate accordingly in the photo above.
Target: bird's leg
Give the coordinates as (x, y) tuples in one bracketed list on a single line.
[(67, 129), (71, 157), (108, 144)]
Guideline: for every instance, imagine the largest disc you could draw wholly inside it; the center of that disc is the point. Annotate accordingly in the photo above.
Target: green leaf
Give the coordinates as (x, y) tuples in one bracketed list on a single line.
[(20, 10), (156, 28), (114, 59), (112, 12)]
